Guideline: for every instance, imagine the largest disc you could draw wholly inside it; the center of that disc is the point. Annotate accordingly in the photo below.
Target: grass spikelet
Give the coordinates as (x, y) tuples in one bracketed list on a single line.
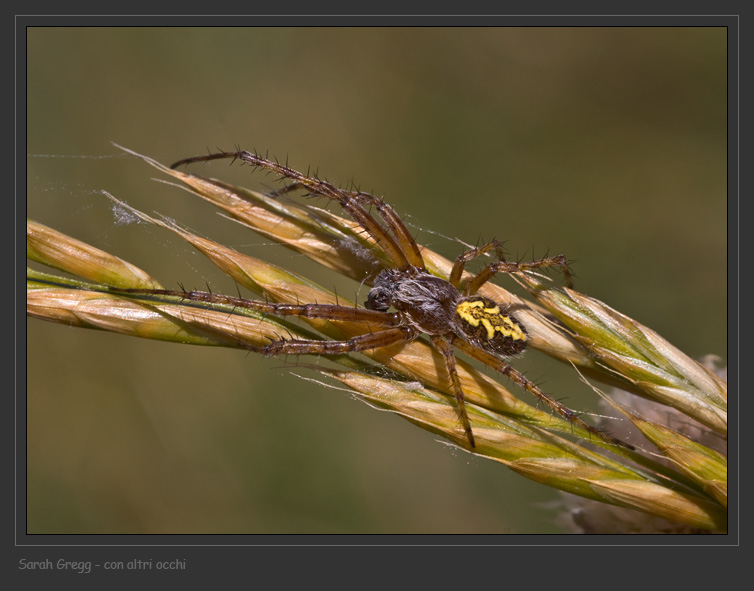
[(647, 363), (55, 249)]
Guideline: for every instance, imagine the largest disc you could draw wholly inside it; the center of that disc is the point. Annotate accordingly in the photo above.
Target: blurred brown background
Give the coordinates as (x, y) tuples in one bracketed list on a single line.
[(607, 144)]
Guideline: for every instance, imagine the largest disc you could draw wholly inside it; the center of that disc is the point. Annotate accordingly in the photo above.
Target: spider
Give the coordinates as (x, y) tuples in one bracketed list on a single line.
[(422, 304)]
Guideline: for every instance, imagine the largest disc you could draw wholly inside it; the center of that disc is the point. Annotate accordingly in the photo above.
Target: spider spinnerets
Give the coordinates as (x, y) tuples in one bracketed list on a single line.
[(423, 304)]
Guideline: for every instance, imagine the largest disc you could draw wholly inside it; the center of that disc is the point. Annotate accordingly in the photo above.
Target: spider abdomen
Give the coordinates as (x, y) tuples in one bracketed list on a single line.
[(486, 324)]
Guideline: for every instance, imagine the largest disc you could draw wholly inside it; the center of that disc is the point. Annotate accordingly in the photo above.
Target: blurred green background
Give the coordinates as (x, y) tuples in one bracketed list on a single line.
[(607, 144)]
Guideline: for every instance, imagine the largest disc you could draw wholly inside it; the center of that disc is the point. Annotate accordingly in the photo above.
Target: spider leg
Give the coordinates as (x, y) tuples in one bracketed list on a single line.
[(463, 258), (403, 253), (373, 340), (443, 346), (325, 311), (520, 379), (504, 267), (395, 224)]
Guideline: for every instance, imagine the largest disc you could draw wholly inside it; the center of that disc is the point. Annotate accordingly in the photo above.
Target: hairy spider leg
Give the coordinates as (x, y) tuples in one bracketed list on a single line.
[(443, 346), (460, 263), (521, 380), (504, 267), (324, 311), (389, 335), (400, 231), (372, 340), (402, 251)]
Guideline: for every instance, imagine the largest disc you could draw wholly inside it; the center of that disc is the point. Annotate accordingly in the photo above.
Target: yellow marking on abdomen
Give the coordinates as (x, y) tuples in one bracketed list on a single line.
[(475, 313)]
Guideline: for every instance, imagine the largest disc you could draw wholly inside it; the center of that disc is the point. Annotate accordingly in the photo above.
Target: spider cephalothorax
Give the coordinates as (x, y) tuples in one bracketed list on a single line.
[(449, 314), (426, 302)]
